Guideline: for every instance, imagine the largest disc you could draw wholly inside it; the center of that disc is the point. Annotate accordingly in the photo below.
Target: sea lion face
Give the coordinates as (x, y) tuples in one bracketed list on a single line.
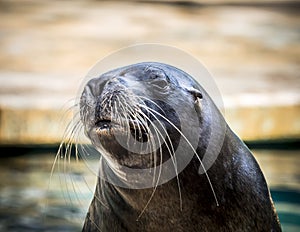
[(133, 115)]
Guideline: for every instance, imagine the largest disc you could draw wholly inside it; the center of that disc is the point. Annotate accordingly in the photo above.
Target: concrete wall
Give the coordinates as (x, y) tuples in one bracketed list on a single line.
[(46, 48)]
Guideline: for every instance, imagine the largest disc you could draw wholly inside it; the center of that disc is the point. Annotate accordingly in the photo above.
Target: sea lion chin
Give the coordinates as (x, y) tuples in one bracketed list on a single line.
[(153, 123)]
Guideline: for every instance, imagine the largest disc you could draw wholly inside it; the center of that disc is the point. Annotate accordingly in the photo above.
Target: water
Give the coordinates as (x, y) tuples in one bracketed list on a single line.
[(29, 203)]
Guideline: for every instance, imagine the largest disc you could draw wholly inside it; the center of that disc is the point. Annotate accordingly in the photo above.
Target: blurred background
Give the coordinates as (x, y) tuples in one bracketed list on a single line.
[(46, 48)]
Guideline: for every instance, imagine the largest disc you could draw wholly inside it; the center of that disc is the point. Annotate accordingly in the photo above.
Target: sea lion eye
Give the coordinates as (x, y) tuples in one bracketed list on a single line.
[(157, 78), (160, 83)]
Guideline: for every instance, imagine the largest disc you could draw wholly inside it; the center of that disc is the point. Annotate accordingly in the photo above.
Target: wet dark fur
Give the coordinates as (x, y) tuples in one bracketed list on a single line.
[(244, 199)]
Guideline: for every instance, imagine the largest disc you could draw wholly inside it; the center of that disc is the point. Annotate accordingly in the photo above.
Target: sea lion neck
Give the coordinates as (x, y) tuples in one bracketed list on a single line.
[(173, 193)]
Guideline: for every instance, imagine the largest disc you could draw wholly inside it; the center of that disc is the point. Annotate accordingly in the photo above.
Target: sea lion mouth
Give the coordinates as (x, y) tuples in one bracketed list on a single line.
[(104, 124), (108, 126)]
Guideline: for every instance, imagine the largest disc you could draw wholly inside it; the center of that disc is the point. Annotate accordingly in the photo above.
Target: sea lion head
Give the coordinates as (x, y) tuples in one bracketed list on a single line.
[(134, 115)]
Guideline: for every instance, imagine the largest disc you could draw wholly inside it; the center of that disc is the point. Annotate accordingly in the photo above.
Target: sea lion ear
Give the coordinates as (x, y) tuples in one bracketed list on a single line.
[(195, 92), (197, 97)]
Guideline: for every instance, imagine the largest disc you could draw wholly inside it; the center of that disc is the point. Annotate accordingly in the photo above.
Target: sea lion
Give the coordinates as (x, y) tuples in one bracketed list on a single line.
[(138, 117)]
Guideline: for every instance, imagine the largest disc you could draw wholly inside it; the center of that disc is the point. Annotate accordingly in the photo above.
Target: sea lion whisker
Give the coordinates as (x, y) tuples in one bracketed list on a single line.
[(124, 121), (124, 114), (145, 129), (136, 126), (78, 127), (67, 156), (73, 183), (143, 116), (198, 157), (104, 99), (155, 186), (171, 151), (140, 122), (64, 172), (146, 108), (165, 131), (128, 107), (119, 118), (84, 153), (109, 99), (56, 161), (70, 134), (160, 167), (115, 116), (152, 141), (172, 156), (67, 134), (106, 102), (151, 101), (74, 139), (70, 105)]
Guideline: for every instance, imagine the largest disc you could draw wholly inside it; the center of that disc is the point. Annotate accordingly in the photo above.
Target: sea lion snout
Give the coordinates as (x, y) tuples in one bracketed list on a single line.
[(108, 97)]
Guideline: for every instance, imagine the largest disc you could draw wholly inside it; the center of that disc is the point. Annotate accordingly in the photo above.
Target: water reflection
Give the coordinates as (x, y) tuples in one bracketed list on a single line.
[(29, 203)]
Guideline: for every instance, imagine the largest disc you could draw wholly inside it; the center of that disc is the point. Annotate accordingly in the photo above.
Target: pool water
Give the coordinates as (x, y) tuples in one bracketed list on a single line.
[(287, 203), (29, 201)]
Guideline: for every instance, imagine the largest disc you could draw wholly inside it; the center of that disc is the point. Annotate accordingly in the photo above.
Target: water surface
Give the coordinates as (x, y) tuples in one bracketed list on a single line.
[(28, 202)]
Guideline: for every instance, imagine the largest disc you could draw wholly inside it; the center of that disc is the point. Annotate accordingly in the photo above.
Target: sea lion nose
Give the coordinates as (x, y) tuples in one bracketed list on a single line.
[(114, 84), (108, 99)]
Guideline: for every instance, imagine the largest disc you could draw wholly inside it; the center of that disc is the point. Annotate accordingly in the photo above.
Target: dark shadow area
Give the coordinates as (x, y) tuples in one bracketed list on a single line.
[(276, 144), (19, 150)]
